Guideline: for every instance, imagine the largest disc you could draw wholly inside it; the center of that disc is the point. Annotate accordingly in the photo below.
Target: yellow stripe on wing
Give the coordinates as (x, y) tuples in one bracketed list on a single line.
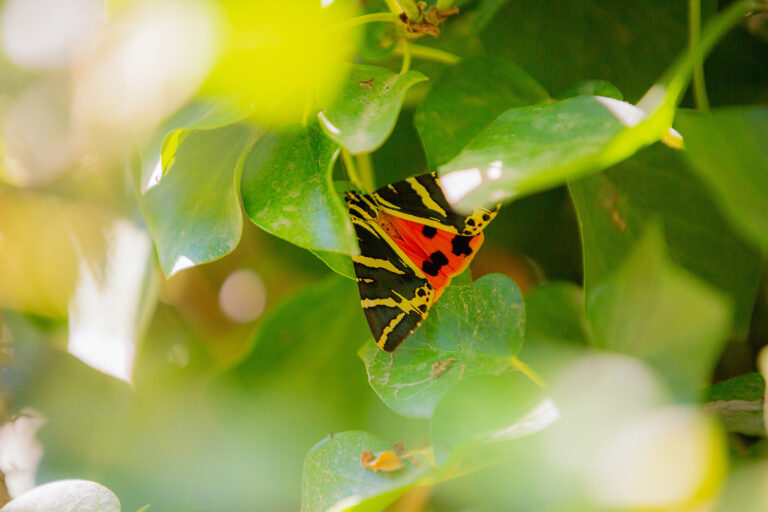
[(377, 263)]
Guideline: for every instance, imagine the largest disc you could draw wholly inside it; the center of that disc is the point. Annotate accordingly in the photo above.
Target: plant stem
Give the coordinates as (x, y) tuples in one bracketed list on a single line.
[(428, 53), (349, 164), (394, 7), (443, 5), (410, 9), (365, 167), (527, 371), (406, 51), (694, 33), (368, 18), (677, 77)]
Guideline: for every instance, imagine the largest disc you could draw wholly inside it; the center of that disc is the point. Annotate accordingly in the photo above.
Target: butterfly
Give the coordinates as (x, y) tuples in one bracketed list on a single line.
[(411, 245)]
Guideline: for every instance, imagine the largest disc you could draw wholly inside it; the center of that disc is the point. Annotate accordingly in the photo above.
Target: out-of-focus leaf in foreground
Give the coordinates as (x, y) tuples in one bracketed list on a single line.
[(364, 114), (193, 212), (468, 97), (729, 149), (472, 330), (616, 207), (487, 411), (655, 310), (287, 189), (65, 496), (335, 480)]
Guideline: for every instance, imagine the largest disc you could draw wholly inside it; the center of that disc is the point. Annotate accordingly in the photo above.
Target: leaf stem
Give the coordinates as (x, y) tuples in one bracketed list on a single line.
[(429, 53), (527, 371), (365, 168), (694, 34), (394, 7), (406, 52), (389, 17), (349, 164), (410, 9)]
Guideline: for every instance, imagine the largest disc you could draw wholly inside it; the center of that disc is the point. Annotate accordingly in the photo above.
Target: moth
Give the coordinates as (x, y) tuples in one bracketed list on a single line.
[(411, 245)]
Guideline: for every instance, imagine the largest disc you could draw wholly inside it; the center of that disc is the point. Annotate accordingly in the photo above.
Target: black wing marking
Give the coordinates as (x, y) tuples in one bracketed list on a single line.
[(421, 199), (394, 294)]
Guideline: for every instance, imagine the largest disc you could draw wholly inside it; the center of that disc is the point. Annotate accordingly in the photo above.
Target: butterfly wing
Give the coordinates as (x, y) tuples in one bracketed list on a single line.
[(420, 199), (395, 295)]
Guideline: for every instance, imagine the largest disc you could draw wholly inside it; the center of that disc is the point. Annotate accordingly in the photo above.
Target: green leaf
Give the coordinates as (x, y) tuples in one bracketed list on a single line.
[(729, 149), (364, 114), (593, 88), (467, 98), (339, 263), (472, 330), (487, 411), (555, 312), (335, 480), (653, 309), (738, 402), (616, 207), (288, 190), (529, 149), (196, 115), (65, 496), (193, 212)]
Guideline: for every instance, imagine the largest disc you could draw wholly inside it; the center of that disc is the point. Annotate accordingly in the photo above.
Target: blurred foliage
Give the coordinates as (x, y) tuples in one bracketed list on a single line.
[(604, 358)]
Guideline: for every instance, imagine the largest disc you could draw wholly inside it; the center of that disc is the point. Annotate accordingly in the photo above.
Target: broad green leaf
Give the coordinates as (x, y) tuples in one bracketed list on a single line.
[(729, 150), (487, 410), (472, 330), (193, 212), (555, 312), (653, 309), (364, 114), (738, 402), (616, 206), (334, 480), (288, 190), (339, 263), (593, 88), (529, 149), (468, 97), (156, 154), (65, 496)]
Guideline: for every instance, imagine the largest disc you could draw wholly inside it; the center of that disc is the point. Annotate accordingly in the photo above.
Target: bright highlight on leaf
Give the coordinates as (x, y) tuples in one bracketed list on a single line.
[(281, 59)]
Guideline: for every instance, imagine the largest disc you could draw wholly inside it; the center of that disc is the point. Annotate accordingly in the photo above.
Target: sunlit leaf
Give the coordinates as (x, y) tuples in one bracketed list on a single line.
[(529, 149), (364, 114), (193, 212), (738, 403), (729, 150), (66, 496), (334, 479), (156, 154), (653, 309), (616, 206), (468, 97), (287, 190), (472, 330)]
